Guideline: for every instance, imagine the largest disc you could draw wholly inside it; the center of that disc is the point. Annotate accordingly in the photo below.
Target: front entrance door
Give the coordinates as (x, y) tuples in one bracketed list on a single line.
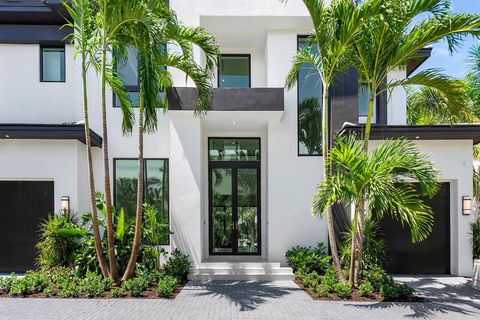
[(234, 196)]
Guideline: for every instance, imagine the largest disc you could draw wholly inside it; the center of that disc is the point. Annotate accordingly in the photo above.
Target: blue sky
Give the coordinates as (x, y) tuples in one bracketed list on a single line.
[(454, 65)]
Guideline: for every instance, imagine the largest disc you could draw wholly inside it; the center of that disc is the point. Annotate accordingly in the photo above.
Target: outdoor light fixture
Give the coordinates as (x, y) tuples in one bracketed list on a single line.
[(466, 205), (65, 204)]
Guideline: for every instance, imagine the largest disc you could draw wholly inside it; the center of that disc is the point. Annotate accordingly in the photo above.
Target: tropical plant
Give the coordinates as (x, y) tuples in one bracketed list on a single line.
[(382, 179), (472, 78), (178, 265), (335, 28), (308, 259), (373, 250), (388, 42), (149, 40), (166, 286), (83, 38), (310, 124), (59, 239), (476, 238)]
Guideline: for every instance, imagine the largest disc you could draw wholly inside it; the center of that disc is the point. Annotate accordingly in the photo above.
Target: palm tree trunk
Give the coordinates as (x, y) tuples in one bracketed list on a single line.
[(326, 172), (138, 220), (360, 229), (354, 244), (91, 178), (368, 125), (106, 167)]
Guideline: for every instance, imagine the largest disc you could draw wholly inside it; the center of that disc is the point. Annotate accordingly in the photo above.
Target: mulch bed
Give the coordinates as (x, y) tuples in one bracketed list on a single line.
[(355, 297), (147, 294)]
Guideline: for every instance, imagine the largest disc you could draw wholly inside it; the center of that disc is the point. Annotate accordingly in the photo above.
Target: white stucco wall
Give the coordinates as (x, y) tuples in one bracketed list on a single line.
[(397, 99)]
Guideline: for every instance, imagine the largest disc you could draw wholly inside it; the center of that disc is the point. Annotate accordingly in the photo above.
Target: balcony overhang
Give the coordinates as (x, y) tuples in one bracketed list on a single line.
[(48, 132), (244, 99)]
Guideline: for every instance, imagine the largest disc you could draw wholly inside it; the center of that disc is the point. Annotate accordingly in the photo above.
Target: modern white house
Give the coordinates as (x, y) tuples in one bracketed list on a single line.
[(236, 185)]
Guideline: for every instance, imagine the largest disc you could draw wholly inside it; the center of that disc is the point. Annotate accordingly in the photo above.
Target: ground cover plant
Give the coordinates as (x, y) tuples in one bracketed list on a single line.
[(315, 273)]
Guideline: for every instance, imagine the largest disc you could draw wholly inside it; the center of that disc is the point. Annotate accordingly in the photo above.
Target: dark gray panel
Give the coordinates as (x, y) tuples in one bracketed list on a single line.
[(48, 132), (431, 256), (43, 34), (344, 99), (23, 205), (245, 99)]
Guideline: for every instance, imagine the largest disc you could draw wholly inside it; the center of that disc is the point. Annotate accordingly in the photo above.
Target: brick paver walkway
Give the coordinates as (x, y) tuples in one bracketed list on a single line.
[(450, 298)]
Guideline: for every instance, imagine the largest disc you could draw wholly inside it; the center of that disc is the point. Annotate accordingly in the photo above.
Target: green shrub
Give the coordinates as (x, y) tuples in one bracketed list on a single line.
[(135, 286), (59, 239), (69, 291), (321, 291), (166, 286), (329, 280), (150, 276), (308, 259), (377, 276), (32, 282), (178, 265), (49, 290), (93, 285), (366, 289), (6, 282), (343, 290), (476, 239), (388, 291), (117, 292)]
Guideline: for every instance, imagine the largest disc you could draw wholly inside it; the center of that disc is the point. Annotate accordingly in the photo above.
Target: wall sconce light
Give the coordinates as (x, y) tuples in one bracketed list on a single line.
[(65, 204), (466, 205)]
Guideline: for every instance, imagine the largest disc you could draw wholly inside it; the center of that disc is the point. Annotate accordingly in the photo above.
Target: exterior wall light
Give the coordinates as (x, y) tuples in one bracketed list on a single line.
[(65, 204), (466, 205)]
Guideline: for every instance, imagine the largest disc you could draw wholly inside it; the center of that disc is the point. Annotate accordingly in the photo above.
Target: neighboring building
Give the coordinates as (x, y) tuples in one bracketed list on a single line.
[(236, 185)]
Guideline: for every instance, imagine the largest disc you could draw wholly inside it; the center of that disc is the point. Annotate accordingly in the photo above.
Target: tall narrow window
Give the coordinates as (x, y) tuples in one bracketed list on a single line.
[(234, 71), (155, 187), (52, 64), (309, 108)]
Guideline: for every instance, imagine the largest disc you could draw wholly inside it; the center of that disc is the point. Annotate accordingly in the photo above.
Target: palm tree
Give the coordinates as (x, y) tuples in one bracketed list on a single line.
[(335, 28), (153, 58), (473, 78), (114, 19), (383, 180), (388, 42), (82, 24)]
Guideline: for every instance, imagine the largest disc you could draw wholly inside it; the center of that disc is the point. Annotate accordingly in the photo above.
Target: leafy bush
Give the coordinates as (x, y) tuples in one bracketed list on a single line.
[(476, 239), (117, 292), (376, 276), (59, 239), (135, 286), (329, 280), (6, 282), (343, 290), (309, 280), (151, 277), (178, 265), (308, 259), (32, 282), (366, 289), (93, 285), (49, 290), (69, 291), (166, 286), (373, 250)]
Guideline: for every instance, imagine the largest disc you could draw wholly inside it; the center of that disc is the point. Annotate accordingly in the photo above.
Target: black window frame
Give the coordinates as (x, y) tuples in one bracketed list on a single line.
[(301, 36), (247, 55), (144, 185), (56, 46)]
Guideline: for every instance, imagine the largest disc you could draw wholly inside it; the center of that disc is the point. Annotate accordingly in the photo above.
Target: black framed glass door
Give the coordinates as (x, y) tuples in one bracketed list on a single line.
[(234, 196)]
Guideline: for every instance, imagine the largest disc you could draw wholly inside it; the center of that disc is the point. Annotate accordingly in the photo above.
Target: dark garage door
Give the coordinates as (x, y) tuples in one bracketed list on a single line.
[(23, 205), (431, 256)]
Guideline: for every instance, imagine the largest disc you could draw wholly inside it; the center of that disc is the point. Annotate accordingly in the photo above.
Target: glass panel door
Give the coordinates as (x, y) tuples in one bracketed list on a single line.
[(247, 210), (221, 209)]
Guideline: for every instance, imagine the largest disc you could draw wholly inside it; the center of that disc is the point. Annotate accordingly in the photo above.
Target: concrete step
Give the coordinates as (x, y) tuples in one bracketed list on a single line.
[(262, 271)]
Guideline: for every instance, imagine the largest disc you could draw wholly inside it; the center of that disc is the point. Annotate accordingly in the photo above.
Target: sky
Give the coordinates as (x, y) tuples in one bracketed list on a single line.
[(453, 65)]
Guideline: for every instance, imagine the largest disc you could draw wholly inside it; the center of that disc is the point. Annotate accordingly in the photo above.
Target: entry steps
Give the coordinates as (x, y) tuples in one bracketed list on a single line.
[(259, 271)]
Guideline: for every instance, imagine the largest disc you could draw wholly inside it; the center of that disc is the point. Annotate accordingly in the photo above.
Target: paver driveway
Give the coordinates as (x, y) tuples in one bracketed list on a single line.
[(450, 298)]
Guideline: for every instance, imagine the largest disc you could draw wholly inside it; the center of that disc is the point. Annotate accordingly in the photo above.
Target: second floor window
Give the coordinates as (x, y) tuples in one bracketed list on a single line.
[(234, 71), (127, 71), (309, 108), (52, 64)]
